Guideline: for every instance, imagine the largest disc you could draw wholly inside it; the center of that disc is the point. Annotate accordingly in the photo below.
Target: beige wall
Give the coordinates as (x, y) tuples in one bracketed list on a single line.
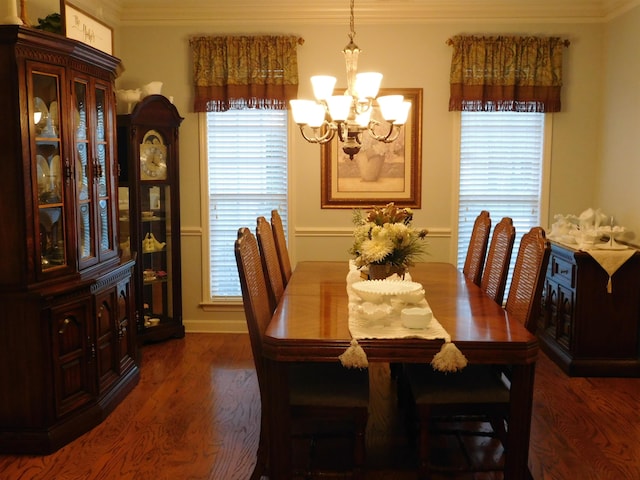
[(619, 174), (411, 56)]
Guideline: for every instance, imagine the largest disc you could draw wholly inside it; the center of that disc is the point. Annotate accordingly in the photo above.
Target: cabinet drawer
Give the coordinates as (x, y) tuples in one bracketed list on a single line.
[(563, 271)]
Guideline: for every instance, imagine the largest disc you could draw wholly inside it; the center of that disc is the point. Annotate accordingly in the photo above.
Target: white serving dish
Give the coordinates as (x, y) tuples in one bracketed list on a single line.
[(416, 317), (377, 290)]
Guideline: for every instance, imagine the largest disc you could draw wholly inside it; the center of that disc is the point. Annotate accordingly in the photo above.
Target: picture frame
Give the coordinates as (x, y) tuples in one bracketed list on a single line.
[(367, 180), (85, 28)]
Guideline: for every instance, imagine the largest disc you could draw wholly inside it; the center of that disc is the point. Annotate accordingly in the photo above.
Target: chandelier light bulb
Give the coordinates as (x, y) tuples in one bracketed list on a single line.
[(339, 107), (300, 110), (403, 114), (390, 106), (364, 118), (368, 84), (323, 86)]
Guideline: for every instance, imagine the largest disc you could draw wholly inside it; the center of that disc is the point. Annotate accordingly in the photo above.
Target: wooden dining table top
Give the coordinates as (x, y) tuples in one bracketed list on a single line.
[(311, 320)]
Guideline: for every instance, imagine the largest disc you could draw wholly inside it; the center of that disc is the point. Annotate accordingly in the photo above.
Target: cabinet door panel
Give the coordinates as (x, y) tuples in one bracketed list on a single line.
[(126, 322), (106, 339), (565, 316), (73, 354)]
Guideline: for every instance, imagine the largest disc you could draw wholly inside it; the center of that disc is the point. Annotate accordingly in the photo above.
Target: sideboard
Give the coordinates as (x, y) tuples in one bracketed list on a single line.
[(585, 328)]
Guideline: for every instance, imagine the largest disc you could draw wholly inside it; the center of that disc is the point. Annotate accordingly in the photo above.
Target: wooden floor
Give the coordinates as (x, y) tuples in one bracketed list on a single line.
[(195, 415)]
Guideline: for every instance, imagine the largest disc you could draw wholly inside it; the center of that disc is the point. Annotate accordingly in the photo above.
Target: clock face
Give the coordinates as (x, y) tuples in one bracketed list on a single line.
[(153, 157)]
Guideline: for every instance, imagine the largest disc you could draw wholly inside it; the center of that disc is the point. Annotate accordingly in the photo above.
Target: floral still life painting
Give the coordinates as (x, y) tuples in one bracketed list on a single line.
[(381, 172)]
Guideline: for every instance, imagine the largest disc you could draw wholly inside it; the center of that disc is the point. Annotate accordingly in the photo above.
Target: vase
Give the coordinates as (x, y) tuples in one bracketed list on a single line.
[(9, 13), (370, 167), (380, 272)]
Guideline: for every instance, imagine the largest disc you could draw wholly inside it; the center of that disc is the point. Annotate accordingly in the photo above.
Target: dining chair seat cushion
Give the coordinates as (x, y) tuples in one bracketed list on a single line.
[(328, 384), (475, 384)]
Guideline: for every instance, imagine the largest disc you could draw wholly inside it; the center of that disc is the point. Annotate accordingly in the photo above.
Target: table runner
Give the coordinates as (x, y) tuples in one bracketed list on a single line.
[(609, 260), (389, 325)]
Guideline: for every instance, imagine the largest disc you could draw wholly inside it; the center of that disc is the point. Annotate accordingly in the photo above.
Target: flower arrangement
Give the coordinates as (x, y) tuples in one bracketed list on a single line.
[(384, 236)]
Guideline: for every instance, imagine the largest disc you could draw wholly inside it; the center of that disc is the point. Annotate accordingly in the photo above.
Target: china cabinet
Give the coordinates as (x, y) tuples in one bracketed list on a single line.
[(584, 328), (150, 213), (67, 339)]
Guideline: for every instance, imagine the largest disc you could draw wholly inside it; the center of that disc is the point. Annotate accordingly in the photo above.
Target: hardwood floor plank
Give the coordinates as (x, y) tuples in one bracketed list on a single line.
[(195, 416)]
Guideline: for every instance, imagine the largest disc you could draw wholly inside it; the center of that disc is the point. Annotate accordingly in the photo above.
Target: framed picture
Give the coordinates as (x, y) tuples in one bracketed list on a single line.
[(87, 29), (381, 172)]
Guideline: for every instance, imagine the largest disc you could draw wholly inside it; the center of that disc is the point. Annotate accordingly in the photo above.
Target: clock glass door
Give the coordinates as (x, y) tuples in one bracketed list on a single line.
[(156, 248)]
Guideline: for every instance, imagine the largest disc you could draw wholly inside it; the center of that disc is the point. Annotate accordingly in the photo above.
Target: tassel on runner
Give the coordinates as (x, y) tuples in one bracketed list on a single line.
[(354, 356), (449, 359)]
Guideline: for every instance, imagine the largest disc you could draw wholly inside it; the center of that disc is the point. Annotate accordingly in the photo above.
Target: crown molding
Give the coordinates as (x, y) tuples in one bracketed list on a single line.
[(260, 12)]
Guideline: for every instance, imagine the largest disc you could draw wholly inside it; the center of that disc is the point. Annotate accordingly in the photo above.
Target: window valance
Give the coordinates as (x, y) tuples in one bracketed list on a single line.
[(244, 72), (506, 73)]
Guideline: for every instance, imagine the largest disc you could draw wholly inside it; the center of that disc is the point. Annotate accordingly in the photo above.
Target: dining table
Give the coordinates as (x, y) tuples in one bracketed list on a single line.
[(311, 324)]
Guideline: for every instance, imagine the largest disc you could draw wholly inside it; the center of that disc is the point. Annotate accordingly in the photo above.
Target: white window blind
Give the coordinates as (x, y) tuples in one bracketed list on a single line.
[(501, 161), (247, 165)]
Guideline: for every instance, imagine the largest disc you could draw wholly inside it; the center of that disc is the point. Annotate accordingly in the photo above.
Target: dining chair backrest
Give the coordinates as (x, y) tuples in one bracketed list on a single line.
[(477, 250), (326, 392), (281, 245), (270, 262), (255, 297), (530, 269), (496, 268)]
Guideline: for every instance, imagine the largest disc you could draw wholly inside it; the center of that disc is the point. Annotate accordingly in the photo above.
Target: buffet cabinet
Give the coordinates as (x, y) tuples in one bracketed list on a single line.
[(67, 322), (149, 213), (584, 328)]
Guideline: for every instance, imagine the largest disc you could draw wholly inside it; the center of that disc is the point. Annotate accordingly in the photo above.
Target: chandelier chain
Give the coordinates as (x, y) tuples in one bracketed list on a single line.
[(352, 22)]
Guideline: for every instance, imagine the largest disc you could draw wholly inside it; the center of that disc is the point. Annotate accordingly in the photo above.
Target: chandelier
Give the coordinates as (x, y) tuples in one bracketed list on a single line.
[(349, 115)]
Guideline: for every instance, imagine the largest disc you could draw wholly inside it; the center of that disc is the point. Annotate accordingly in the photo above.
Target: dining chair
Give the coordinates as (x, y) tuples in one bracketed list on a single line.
[(328, 393), (270, 262), (477, 391), (281, 246), (477, 250), (496, 268)]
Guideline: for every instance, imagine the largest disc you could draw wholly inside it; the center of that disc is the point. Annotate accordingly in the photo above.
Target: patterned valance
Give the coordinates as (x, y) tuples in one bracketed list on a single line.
[(244, 72), (506, 73)]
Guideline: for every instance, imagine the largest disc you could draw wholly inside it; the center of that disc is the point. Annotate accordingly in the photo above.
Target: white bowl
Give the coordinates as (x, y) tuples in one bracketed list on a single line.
[(412, 297), (378, 290), (374, 312), (416, 317)]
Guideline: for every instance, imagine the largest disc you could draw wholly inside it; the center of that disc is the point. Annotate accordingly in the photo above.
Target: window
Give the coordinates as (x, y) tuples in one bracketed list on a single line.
[(502, 170), (247, 178)]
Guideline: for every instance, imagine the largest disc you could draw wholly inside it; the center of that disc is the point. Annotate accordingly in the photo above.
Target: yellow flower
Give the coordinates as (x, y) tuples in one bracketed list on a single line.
[(384, 235)]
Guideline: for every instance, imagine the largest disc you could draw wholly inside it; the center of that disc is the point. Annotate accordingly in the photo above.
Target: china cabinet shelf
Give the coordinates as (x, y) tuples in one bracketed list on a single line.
[(67, 323)]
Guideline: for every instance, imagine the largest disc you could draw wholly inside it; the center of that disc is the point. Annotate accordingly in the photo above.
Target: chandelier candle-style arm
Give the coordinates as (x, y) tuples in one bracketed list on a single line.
[(349, 115)]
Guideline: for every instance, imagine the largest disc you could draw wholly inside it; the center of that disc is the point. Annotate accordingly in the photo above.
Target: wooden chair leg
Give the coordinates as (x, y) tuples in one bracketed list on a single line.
[(424, 472), (359, 449), (262, 457)]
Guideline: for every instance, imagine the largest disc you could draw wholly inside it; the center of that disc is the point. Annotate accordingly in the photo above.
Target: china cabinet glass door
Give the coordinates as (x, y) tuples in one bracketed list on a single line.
[(94, 185), (50, 171)]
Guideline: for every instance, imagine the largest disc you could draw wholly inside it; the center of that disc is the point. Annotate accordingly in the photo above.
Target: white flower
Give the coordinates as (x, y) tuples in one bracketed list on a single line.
[(385, 236)]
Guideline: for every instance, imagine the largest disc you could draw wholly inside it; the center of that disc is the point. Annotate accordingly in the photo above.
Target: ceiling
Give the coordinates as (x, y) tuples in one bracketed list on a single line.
[(193, 12)]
